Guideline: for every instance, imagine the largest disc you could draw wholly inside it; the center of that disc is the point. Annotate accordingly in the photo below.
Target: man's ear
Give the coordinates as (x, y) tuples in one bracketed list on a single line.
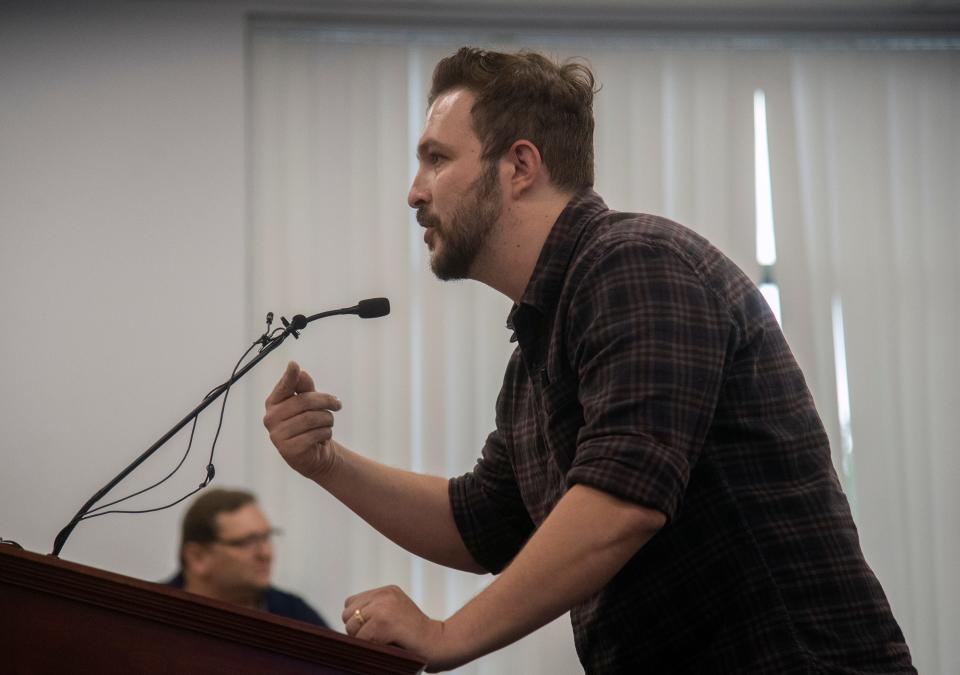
[(526, 166), (196, 558)]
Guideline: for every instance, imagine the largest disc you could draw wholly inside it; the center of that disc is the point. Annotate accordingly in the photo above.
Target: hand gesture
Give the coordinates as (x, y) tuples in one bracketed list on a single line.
[(300, 422)]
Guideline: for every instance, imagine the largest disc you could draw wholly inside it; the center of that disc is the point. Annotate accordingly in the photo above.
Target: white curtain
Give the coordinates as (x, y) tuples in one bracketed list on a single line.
[(869, 194), (863, 161)]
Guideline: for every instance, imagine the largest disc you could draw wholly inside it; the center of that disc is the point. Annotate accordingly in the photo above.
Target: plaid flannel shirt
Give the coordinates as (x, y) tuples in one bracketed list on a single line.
[(649, 366)]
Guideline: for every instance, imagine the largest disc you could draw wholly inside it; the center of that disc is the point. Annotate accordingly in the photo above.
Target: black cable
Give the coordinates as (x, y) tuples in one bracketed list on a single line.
[(223, 407), (90, 514), (193, 429), (96, 512)]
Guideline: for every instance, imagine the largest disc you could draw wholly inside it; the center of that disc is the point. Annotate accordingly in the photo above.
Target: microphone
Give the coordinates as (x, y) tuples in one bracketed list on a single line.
[(371, 308)]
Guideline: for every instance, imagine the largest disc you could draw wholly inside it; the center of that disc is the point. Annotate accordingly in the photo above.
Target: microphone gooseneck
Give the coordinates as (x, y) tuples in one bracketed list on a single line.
[(366, 309), (371, 308)]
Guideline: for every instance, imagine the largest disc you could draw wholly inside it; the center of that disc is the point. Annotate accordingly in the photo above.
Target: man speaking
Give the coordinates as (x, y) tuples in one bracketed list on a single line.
[(658, 467)]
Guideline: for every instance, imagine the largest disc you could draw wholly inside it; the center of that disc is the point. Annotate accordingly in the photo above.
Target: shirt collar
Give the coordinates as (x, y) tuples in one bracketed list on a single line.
[(543, 290)]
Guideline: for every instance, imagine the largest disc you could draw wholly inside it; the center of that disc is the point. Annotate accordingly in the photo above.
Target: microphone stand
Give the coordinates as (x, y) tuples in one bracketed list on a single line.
[(298, 323)]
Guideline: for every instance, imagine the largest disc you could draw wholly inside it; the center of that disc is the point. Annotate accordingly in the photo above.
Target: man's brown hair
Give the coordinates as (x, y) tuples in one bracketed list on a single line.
[(527, 96), (200, 520)]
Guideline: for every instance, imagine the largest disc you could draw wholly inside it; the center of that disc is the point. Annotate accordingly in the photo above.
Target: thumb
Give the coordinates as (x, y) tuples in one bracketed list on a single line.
[(287, 385), (304, 383)]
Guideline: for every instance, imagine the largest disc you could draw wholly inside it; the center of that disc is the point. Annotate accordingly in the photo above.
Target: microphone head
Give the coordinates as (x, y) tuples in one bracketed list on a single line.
[(373, 308), (299, 322)]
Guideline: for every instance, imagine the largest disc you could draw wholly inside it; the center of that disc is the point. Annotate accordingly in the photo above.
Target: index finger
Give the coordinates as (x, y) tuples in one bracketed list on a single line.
[(287, 384)]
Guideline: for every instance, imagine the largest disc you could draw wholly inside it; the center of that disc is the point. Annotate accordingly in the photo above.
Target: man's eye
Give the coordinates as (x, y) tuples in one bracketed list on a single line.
[(434, 158)]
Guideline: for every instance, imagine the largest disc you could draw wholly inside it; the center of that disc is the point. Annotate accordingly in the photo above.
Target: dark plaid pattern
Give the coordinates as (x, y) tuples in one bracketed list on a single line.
[(650, 367)]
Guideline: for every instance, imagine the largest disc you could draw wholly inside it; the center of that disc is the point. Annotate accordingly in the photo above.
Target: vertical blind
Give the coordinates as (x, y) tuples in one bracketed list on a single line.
[(865, 185)]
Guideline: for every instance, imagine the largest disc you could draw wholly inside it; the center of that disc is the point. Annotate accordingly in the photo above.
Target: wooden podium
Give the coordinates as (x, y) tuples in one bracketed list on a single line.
[(58, 617)]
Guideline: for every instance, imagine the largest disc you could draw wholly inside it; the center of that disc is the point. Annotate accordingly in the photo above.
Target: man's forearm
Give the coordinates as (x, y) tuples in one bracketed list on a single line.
[(411, 509), (586, 540)]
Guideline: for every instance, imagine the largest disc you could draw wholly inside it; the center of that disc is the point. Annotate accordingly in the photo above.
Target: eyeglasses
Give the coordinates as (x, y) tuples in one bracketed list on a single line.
[(251, 540)]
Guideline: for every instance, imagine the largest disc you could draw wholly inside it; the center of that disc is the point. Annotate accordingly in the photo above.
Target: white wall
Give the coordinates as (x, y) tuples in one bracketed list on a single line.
[(121, 260)]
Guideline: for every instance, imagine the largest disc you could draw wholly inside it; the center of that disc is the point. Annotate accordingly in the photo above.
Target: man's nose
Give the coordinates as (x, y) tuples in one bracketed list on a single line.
[(418, 195), (264, 550)]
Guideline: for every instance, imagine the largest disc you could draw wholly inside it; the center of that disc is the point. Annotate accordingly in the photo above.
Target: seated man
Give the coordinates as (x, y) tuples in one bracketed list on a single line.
[(226, 554)]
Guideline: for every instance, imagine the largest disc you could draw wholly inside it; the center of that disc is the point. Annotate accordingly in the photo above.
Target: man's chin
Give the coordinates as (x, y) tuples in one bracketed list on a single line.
[(261, 584), (445, 273)]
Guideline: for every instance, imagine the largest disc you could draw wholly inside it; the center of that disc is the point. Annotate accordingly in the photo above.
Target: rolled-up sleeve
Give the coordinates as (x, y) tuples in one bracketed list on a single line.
[(649, 342)]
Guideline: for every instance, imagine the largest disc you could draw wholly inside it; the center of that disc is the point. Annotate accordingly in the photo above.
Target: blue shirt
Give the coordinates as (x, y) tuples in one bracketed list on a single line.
[(276, 602)]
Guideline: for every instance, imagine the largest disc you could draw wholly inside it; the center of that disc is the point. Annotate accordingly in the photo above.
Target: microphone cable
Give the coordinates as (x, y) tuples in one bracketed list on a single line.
[(95, 512)]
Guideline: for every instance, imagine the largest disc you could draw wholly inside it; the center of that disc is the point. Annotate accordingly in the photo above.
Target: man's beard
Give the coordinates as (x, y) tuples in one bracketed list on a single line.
[(462, 239)]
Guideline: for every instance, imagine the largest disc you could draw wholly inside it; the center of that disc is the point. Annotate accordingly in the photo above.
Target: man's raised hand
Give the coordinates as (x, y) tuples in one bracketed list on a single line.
[(300, 422)]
